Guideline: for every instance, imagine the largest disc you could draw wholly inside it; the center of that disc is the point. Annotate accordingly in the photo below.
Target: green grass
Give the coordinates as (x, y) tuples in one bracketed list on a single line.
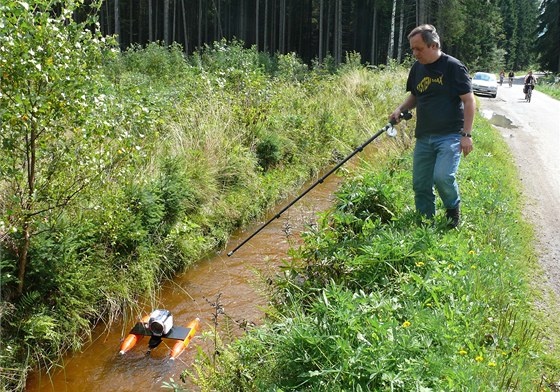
[(375, 301), (549, 85), (549, 88)]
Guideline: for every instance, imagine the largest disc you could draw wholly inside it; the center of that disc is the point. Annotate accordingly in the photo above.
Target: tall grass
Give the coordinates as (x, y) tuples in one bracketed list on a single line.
[(374, 300)]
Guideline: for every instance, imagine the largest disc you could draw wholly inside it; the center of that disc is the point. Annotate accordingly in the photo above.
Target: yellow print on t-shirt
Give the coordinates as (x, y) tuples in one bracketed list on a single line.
[(427, 81)]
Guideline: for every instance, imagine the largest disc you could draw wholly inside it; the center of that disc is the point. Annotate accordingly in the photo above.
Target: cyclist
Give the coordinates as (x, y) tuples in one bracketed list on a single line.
[(529, 83), (511, 75)]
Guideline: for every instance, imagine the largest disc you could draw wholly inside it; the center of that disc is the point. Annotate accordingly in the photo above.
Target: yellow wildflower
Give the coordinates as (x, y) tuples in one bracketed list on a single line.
[(420, 264), (471, 252), (473, 266), (406, 324), (492, 364), (479, 358), (462, 352)]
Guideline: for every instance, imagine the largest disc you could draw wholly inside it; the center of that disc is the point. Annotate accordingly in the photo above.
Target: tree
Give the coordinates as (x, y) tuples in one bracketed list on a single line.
[(117, 21), (374, 34), (321, 28), (337, 44), (422, 11), (166, 22), (509, 41), (391, 47), (484, 27), (527, 33), (549, 35), (56, 136), (451, 21)]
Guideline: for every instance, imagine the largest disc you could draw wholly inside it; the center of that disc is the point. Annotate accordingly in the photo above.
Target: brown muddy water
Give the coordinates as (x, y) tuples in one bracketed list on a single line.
[(100, 368)]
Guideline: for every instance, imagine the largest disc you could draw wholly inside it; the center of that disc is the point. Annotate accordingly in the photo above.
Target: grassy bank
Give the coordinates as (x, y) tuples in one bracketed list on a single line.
[(196, 147), (375, 300), (549, 85)]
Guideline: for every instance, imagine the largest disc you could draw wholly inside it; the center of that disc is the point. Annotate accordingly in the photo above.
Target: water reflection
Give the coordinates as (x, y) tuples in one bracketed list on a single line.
[(497, 119)]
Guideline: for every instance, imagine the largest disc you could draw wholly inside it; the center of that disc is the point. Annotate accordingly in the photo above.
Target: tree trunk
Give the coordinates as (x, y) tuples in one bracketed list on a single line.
[(321, 15), (150, 21), (27, 207), (265, 38), (22, 261), (166, 22), (257, 24), (117, 22), (242, 20), (130, 24), (140, 24), (391, 48), (374, 36), (105, 27), (328, 32), (173, 31), (185, 36), (401, 33), (282, 27), (421, 12), (199, 23), (335, 35), (273, 28)]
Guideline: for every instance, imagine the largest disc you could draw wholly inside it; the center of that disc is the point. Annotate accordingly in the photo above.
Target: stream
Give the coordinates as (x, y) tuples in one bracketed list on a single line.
[(234, 280)]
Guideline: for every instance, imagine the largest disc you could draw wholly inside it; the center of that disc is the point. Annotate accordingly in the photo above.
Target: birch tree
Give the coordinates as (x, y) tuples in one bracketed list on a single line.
[(390, 49), (56, 137)]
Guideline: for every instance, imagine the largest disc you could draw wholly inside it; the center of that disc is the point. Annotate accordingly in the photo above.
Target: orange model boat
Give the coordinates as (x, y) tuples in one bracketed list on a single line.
[(159, 325), (181, 345), (130, 341)]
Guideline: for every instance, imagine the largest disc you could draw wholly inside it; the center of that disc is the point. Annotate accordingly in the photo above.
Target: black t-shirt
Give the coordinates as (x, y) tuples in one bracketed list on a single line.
[(437, 88)]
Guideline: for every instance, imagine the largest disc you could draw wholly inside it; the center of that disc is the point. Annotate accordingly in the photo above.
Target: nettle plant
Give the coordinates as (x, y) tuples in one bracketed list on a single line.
[(59, 131)]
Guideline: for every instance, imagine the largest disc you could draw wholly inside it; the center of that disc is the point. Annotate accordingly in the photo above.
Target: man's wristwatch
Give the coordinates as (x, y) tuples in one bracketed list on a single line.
[(464, 134)]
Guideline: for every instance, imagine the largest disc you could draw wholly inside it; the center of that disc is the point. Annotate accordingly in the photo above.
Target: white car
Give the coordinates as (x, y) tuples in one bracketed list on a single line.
[(484, 83)]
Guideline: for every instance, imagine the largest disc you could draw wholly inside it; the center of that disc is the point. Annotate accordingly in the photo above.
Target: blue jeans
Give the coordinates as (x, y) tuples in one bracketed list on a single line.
[(436, 161)]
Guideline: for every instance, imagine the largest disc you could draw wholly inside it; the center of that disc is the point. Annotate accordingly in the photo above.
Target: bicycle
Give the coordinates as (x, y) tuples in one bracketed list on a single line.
[(529, 92), (510, 82)]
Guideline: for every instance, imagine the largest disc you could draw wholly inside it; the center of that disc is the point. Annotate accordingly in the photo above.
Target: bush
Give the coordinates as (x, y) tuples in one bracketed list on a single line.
[(269, 151)]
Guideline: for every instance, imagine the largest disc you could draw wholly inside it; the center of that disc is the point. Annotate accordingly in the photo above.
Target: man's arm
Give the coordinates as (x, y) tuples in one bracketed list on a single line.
[(469, 107), (408, 104)]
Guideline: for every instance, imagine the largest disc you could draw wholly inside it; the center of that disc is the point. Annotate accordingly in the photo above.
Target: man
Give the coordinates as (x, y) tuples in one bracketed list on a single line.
[(529, 83), (511, 75), (440, 90)]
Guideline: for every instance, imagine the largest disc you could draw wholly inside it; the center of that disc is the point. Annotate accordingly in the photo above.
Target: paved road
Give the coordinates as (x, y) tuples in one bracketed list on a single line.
[(532, 131)]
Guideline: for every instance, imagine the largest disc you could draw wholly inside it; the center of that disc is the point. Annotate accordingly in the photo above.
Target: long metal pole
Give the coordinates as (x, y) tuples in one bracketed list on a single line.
[(405, 115)]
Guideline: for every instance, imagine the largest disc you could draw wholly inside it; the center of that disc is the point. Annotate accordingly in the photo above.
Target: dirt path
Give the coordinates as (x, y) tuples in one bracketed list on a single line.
[(532, 131)]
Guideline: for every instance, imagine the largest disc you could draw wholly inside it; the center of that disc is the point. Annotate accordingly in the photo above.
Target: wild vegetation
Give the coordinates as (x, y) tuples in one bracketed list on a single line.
[(119, 170), (377, 300)]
